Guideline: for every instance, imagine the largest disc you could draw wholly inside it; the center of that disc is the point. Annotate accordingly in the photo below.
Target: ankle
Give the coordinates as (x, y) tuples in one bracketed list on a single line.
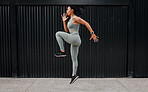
[(63, 50)]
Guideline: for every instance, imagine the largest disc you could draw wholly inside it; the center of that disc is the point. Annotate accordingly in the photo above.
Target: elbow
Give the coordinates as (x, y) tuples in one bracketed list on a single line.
[(86, 23)]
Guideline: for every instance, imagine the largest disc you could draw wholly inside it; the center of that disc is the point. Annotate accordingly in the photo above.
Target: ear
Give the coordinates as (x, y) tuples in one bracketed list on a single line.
[(72, 10)]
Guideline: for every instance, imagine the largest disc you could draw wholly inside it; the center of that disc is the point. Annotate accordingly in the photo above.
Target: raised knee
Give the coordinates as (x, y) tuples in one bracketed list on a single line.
[(57, 33)]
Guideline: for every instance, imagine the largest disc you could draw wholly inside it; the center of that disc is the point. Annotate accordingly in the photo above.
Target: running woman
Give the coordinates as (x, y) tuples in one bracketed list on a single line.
[(71, 36)]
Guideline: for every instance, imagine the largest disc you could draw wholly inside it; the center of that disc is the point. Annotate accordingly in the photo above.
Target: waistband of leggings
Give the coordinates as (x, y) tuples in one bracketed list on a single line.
[(75, 33)]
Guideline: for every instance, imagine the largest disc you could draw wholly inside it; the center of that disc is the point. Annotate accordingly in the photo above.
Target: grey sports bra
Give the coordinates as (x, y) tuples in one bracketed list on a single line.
[(71, 26)]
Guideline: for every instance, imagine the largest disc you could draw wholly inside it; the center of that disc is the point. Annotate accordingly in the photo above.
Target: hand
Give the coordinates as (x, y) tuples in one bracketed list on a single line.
[(64, 17), (95, 38)]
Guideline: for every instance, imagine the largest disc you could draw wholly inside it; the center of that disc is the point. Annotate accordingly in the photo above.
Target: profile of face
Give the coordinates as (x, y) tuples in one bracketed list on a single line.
[(69, 11)]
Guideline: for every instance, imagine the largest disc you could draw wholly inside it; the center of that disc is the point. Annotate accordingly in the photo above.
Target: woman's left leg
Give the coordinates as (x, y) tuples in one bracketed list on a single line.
[(74, 50)]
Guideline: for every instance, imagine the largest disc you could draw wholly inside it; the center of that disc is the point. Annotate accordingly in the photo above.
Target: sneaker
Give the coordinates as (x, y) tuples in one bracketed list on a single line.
[(60, 54), (73, 79)]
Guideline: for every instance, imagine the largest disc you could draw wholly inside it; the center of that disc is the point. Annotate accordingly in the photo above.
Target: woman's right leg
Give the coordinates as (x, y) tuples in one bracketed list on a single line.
[(69, 38)]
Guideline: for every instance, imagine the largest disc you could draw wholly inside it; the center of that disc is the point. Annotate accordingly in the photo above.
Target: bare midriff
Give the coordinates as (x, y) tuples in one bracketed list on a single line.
[(73, 31)]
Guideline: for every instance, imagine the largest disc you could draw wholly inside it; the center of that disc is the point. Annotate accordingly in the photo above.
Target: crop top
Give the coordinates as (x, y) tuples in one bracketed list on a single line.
[(71, 26)]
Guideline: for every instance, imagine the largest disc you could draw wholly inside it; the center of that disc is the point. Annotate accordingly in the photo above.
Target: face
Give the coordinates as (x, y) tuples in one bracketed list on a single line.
[(69, 10)]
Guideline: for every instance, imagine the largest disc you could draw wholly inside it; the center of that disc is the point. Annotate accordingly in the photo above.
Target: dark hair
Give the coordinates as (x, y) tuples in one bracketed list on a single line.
[(77, 9)]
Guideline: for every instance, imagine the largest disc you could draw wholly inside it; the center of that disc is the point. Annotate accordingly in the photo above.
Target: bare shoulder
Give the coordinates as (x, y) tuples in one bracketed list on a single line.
[(80, 20), (77, 17)]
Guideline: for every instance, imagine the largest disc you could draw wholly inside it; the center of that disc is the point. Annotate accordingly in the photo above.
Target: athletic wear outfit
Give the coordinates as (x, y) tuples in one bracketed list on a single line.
[(72, 38)]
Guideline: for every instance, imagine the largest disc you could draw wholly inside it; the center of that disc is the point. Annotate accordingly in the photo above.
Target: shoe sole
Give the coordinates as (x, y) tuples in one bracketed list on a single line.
[(74, 80), (60, 55)]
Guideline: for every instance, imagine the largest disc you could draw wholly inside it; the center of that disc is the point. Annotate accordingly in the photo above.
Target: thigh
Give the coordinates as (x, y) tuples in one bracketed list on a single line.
[(69, 38)]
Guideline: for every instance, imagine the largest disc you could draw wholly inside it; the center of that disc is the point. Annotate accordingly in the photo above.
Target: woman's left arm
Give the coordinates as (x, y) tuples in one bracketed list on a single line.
[(80, 20)]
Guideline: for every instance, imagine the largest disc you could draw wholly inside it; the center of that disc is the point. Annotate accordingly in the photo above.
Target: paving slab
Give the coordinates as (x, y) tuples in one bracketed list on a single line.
[(15, 84), (81, 85), (135, 84)]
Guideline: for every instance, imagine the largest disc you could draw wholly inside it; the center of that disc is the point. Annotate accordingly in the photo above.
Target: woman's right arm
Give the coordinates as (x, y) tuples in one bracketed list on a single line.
[(65, 27), (64, 21)]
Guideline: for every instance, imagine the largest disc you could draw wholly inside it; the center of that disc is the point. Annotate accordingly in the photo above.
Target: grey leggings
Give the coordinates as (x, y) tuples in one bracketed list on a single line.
[(75, 41)]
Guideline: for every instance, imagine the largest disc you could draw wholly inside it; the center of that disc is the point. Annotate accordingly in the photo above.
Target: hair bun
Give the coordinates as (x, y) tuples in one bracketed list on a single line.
[(77, 9)]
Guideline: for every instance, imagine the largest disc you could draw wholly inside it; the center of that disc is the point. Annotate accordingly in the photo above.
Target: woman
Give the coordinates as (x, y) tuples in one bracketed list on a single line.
[(73, 37)]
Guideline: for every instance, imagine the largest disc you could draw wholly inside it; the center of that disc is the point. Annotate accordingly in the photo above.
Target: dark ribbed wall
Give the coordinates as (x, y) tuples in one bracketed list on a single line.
[(108, 57), (141, 39), (36, 42), (5, 43), (37, 26), (27, 39)]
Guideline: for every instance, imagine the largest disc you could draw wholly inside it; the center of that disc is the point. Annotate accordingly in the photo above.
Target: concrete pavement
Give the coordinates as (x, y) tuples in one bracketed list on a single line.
[(81, 85)]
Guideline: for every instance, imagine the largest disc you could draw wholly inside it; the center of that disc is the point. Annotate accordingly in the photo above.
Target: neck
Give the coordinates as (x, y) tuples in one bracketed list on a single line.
[(71, 15)]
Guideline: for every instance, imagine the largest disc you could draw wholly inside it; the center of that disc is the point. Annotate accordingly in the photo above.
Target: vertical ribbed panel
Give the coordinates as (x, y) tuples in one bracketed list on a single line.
[(108, 58), (36, 42), (37, 25), (5, 44), (141, 42)]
